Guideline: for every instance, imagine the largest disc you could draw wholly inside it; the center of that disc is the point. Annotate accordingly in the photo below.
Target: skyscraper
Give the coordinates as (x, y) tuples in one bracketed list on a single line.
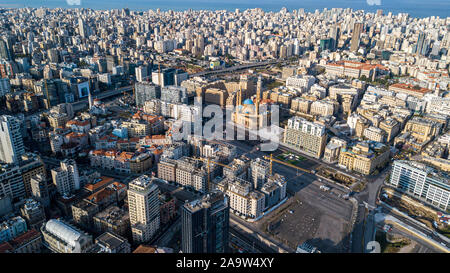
[(205, 224), (334, 35), (357, 30), (4, 51), (419, 45), (82, 28), (143, 204), (11, 142)]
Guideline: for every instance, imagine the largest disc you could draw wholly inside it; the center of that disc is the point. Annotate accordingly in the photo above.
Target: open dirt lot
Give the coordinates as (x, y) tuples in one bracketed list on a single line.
[(319, 218)]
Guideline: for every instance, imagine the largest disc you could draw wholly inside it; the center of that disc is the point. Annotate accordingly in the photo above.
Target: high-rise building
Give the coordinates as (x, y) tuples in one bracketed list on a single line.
[(205, 224), (32, 165), (259, 171), (82, 28), (5, 51), (418, 47), (66, 177), (169, 76), (146, 91), (142, 74), (5, 87), (39, 189), (357, 30), (11, 142), (111, 61), (143, 204), (12, 185), (174, 94)]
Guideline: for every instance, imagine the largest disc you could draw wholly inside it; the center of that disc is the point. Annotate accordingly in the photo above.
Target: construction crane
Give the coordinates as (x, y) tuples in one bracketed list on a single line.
[(271, 159), (208, 164)]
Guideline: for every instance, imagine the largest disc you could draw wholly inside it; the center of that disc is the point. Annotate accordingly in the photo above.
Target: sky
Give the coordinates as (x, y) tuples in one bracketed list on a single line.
[(416, 8)]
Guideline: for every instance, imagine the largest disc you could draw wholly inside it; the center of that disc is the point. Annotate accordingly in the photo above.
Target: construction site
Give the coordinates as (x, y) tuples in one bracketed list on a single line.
[(318, 217)]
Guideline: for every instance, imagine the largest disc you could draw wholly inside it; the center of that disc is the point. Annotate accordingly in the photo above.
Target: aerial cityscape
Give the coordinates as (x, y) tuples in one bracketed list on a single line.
[(224, 129)]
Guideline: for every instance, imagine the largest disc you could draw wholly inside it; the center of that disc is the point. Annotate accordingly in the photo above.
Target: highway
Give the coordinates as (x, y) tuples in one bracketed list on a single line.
[(423, 246), (78, 105), (422, 228), (233, 68)]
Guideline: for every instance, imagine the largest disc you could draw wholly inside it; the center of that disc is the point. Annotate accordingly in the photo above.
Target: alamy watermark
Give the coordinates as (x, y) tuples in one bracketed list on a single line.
[(373, 2), (73, 2), (243, 122), (374, 247)]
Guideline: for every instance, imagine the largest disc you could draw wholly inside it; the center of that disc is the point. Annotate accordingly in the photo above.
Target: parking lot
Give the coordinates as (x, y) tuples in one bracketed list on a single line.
[(318, 217)]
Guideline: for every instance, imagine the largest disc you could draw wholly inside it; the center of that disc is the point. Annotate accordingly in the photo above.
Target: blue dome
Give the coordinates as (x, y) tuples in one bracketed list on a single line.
[(248, 102)]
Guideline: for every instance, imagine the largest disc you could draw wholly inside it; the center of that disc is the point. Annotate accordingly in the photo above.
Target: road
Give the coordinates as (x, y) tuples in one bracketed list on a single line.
[(78, 105), (233, 68), (243, 241), (364, 229), (422, 247), (422, 228)]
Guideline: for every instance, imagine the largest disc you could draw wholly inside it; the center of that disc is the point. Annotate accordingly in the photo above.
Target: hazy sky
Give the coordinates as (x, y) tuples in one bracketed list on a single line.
[(419, 8)]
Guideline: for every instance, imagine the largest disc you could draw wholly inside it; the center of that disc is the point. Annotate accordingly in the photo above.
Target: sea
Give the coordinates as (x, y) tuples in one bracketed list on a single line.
[(415, 8)]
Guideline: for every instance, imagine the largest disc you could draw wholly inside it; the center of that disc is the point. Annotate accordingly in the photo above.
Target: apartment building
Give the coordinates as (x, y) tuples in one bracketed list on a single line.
[(243, 200), (305, 136), (258, 172), (33, 213), (66, 177), (143, 204), (109, 242), (167, 169)]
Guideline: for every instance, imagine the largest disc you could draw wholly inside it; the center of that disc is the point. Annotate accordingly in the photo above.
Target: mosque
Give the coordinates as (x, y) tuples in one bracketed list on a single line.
[(249, 113)]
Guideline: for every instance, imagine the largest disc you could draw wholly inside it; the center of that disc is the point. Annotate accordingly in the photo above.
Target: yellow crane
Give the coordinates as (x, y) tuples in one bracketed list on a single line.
[(208, 164), (271, 159)]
